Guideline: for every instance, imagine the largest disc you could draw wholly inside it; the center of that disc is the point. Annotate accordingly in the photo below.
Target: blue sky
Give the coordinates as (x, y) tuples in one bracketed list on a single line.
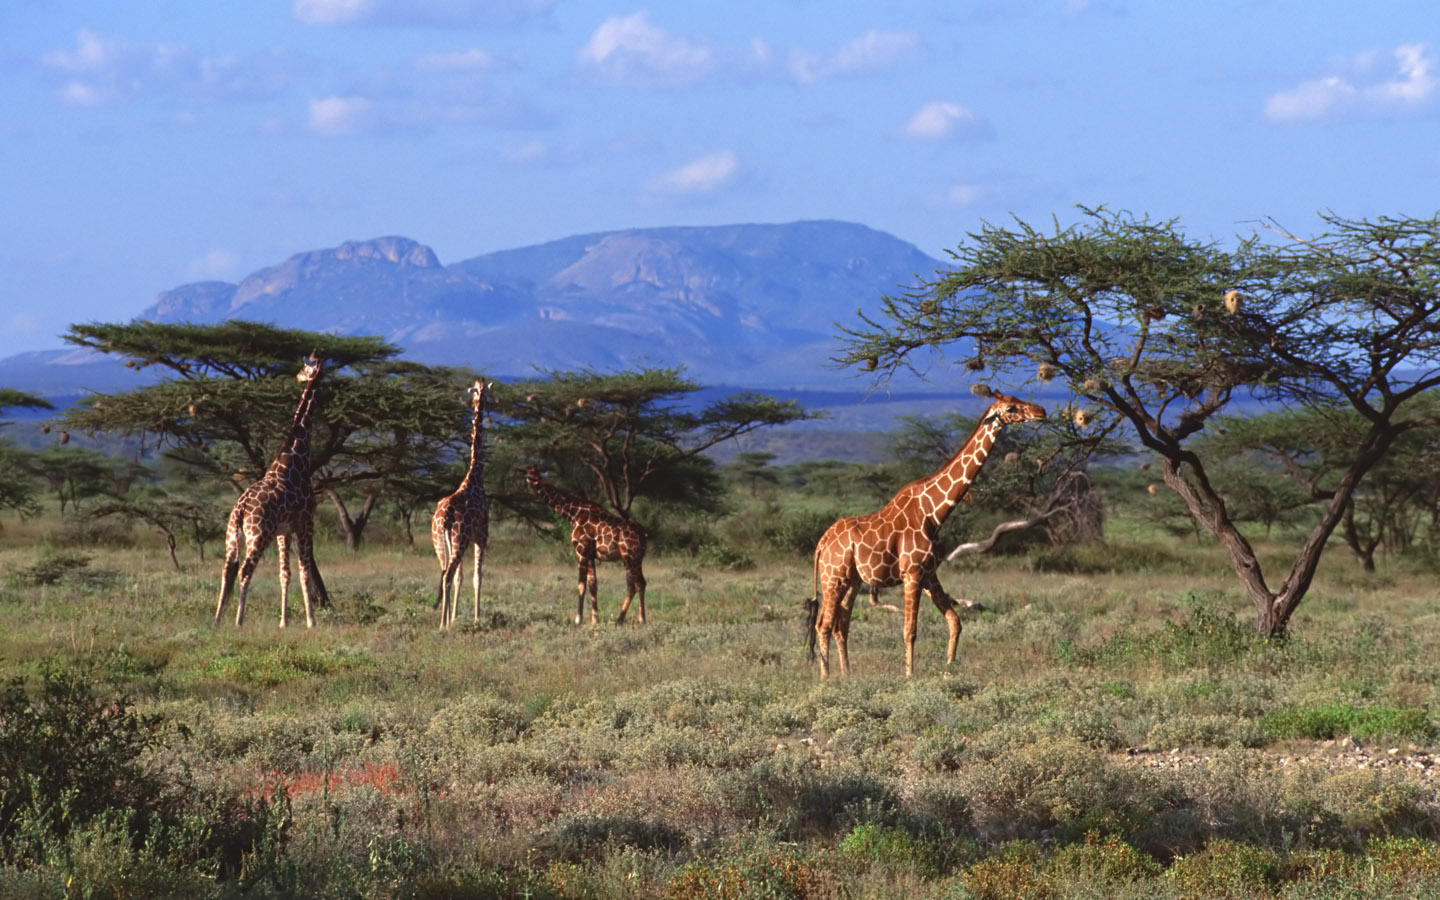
[(150, 143)]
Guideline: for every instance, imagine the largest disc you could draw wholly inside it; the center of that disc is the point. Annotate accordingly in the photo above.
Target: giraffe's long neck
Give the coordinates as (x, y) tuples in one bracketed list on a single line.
[(561, 502), (475, 475), (293, 461), (949, 484)]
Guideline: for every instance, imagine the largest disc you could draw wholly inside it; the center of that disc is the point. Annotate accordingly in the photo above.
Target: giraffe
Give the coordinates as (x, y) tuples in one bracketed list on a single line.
[(463, 518), (896, 544), (596, 534), (279, 506)]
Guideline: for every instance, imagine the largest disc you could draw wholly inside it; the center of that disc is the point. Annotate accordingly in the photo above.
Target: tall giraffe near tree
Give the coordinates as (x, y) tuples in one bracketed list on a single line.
[(463, 518), (279, 506), (897, 543), (597, 534)]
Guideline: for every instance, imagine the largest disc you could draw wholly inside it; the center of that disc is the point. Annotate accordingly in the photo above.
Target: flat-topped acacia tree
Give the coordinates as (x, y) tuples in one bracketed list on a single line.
[(1164, 333)]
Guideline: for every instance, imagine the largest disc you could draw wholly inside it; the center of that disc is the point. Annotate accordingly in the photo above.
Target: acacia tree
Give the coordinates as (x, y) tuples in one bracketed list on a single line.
[(1314, 448), (626, 435), (1163, 333), (17, 491), (227, 407)]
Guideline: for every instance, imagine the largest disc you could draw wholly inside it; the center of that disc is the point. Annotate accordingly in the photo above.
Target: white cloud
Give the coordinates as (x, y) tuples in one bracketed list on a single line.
[(471, 60), (630, 48), (963, 195), (103, 70), (705, 175), (421, 13), (213, 265), (331, 12), (1370, 83), (341, 116), (874, 49), (941, 119)]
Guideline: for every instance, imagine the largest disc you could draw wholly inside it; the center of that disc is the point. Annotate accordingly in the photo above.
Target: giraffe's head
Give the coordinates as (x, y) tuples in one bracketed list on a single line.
[(310, 367), (1011, 411), (532, 477), (477, 394)]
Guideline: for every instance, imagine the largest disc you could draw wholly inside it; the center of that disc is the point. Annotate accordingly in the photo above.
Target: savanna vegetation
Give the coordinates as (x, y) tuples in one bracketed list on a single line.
[(1116, 726)]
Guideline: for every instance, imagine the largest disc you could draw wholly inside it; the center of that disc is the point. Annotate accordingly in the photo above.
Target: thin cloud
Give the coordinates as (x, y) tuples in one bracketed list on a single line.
[(1369, 84), (472, 60), (419, 13), (101, 70), (213, 265), (631, 49), (700, 177), (942, 120), (874, 49), (342, 116)]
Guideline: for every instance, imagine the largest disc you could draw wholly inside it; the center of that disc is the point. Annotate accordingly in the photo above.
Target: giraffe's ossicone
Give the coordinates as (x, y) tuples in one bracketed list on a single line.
[(896, 545), (279, 507)]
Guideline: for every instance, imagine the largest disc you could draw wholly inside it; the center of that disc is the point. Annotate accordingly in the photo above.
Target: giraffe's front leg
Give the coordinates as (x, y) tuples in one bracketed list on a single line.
[(912, 618), (580, 591), (593, 584)]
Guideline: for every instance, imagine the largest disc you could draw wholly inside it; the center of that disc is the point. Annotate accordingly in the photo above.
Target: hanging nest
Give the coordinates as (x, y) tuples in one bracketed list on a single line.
[(1232, 301), (981, 390), (975, 363), (870, 363), (1083, 418), (1045, 373)]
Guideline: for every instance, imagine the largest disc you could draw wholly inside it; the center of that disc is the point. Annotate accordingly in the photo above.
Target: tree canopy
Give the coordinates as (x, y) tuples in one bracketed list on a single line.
[(1162, 333), (625, 435)]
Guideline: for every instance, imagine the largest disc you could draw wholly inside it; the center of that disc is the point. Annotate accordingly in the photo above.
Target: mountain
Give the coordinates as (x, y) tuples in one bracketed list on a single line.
[(750, 305), (738, 306)]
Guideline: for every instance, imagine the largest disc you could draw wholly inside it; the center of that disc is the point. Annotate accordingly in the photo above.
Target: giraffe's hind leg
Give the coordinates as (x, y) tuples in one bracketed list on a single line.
[(282, 547), (255, 548), (634, 587)]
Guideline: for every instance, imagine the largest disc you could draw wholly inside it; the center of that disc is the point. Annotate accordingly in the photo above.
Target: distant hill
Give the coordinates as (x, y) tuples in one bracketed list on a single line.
[(751, 307)]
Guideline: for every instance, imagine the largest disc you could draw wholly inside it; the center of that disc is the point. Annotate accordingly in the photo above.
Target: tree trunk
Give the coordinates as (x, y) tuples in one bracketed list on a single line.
[(353, 527)]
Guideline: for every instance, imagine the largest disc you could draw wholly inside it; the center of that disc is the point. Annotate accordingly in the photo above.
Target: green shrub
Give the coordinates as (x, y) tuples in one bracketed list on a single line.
[(758, 875), (53, 568), (1327, 721), (1013, 874), (67, 756), (1225, 869), (889, 848), (1105, 860)]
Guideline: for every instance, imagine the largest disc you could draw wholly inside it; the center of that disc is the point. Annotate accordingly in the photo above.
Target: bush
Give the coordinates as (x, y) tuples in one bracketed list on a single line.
[(67, 756), (759, 875), (1328, 721), (1225, 869)]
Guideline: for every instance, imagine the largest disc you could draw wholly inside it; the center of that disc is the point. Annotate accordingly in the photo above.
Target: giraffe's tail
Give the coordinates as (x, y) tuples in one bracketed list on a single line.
[(812, 605), (232, 560)]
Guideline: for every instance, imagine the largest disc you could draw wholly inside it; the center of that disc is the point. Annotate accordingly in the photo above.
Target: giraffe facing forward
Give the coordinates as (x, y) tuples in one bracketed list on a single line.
[(280, 506), (596, 534), (896, 544), (463, 518)]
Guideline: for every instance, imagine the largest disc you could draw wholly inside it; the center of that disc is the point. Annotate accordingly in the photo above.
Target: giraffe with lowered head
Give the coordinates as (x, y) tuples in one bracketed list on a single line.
[(279, 506), (597, 534), (896, 544), (463, 518)]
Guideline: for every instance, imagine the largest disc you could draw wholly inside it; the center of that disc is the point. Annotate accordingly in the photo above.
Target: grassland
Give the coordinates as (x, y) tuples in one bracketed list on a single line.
[(1113, 728)]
